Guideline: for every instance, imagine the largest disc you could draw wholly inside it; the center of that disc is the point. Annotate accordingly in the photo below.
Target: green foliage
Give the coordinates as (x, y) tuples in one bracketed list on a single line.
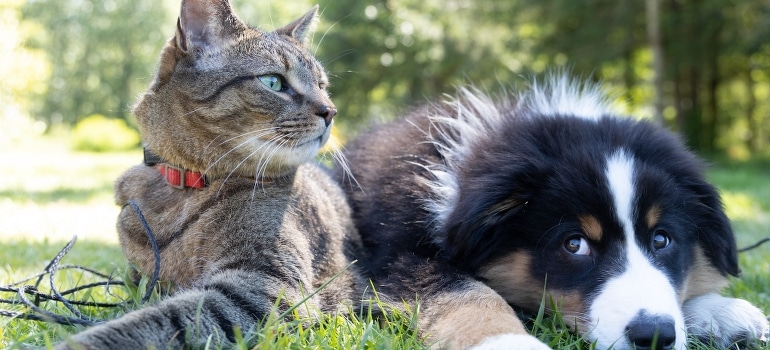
[(97, 133), (387, 55), (102, 53), (384, 56)]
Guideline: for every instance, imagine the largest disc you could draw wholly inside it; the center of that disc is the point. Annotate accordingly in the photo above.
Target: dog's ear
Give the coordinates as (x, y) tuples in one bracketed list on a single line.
[(715, 234), (655, 145), (475, 230), (704, 205)]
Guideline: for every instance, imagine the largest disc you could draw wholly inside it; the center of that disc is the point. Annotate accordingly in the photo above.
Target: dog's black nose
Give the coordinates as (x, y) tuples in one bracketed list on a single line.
[(652, 332)]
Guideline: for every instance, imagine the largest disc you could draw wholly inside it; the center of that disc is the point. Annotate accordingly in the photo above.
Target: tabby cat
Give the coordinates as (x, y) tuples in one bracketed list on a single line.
[(242, 221)]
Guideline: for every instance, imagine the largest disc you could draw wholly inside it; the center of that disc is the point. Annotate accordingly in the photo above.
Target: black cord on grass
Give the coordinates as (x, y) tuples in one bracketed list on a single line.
[(155, 250), (52, 266), (22, 290), (38, 313), (755, 245)]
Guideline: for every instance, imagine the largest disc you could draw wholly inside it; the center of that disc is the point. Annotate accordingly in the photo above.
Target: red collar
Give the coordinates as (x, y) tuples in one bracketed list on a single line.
[(175, 176), (181, 178)]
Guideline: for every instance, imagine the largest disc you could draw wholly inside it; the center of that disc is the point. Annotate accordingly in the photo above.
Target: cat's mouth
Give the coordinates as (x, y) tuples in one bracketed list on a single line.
[(317, 141)]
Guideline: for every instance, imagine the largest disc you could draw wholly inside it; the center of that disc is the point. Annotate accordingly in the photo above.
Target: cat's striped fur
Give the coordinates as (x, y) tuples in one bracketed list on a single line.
[(248, 109)]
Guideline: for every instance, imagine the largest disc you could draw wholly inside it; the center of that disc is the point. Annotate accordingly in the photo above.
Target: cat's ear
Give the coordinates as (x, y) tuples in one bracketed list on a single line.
[(205, 23), (300, 28)]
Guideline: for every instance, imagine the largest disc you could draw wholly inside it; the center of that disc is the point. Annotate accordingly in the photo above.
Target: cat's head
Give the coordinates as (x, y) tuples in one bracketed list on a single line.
[(232, 100)]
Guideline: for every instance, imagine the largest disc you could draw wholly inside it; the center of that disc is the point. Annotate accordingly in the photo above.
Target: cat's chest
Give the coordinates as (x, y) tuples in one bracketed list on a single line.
[(234, 202)]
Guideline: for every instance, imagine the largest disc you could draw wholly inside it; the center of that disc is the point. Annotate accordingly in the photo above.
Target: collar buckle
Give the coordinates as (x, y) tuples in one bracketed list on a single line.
[(174, 175), (150, 158)]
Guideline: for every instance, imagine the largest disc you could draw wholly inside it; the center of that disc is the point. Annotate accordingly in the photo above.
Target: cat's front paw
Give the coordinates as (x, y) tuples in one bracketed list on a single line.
[(723, 321), (511, 342)]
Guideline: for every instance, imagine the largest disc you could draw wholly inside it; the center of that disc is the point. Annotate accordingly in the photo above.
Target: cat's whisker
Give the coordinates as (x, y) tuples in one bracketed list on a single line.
[(194, 110), (208, 146), (263, 162), (341, 55), (339, 158), (277, 144), (259, 134), (232, 171), (248, 133), (240, 135), (315, 52), (270, 13), (335, 150)]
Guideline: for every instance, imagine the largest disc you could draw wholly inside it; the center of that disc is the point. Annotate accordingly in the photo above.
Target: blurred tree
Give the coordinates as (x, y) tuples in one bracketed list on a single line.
[(385, 55), (17, 90), (746, 68), (266, 15), (102, 53), (652, 19), (707, 45)]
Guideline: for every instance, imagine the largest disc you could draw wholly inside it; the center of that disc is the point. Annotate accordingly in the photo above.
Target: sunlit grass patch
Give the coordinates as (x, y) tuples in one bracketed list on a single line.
[(50, 192), (742, 206)]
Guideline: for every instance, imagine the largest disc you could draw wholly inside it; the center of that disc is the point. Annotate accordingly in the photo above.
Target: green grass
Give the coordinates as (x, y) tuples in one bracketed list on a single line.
[(48, 194)]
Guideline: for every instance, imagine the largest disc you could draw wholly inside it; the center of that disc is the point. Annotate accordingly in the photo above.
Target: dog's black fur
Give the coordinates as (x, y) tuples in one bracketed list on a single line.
[(522, 177)]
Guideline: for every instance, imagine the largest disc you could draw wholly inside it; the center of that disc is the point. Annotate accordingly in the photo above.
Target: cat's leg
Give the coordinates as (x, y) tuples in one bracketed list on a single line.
[(169, 215), (209, 312), (722, 321)]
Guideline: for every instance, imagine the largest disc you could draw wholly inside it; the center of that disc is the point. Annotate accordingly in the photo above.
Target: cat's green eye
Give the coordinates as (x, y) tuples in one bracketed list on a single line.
[(272, 81)]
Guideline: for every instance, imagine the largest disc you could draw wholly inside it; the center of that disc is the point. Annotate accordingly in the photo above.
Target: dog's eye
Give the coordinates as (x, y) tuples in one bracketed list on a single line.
[(577, 245), (660, 240)]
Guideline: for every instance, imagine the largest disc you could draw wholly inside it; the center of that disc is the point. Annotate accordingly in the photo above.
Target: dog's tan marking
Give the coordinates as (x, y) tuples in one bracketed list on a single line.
[(494, 212), (458, 320), (703, 278), (591, 227), (653, 216), (510, 277)]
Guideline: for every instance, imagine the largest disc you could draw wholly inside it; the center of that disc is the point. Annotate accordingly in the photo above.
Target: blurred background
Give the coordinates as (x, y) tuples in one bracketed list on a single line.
[(701, 66)]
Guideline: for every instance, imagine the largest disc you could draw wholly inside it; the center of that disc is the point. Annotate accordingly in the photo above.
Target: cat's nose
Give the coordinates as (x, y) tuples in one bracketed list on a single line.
[(327, 112)]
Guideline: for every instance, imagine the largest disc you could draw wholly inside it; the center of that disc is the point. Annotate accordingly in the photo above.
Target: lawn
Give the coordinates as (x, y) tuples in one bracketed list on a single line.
[(48, 194)]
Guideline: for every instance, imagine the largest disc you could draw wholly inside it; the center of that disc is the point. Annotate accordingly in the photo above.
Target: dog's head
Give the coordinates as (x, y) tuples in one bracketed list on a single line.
[(612, 217)]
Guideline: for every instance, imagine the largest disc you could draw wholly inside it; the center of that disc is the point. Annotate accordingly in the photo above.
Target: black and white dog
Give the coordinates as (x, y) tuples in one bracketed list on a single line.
[(476, 205)]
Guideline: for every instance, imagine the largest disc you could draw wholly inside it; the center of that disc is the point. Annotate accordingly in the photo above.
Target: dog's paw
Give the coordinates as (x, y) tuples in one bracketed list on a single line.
[(511, 342), (723, 321)]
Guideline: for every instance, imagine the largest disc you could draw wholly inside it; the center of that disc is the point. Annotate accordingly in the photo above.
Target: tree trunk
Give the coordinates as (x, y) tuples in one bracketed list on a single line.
[(711, 115), (654, 40), (751, 106), (693, 122)]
